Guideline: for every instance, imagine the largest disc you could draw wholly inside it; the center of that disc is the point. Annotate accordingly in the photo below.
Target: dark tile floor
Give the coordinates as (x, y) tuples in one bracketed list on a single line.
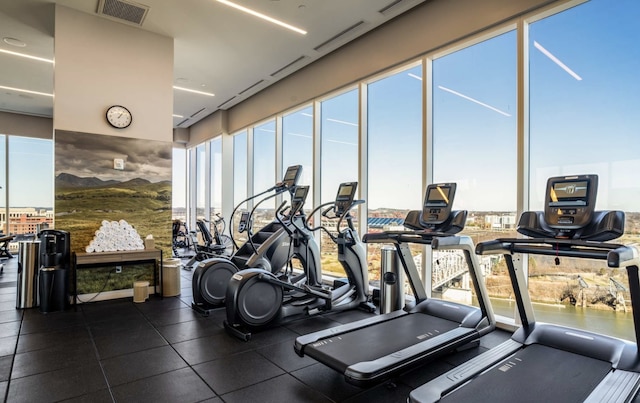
[(162, 351)]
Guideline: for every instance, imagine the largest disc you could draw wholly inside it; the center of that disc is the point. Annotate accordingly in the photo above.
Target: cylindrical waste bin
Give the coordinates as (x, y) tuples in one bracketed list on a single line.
[(391, 281), (140, 291), (27, 290), (52, 288), (171, 277)]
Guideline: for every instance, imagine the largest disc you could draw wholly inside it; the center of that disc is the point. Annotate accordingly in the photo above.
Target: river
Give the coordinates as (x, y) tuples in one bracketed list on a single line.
[(617, 324)]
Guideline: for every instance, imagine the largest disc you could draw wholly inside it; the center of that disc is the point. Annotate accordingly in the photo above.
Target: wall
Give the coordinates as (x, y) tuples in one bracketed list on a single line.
[(423, 29), (100, 63), (27, 126)]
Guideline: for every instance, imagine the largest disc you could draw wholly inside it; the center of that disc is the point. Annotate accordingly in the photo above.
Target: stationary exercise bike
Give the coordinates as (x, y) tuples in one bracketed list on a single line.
[(257, 298), (269, 248)]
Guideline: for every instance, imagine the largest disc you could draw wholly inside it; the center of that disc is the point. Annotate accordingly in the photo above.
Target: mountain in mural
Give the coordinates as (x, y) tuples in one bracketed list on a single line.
[(66, 180), (69, 180)]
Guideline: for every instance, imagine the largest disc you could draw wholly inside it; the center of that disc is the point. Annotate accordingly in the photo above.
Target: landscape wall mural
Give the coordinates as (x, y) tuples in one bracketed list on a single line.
[(89, 189)]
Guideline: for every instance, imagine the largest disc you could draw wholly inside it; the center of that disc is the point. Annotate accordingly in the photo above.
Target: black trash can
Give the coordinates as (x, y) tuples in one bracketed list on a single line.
[(52, 287)]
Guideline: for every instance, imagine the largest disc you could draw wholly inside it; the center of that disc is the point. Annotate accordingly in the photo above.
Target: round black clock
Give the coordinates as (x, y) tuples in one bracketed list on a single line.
[(119, 117)]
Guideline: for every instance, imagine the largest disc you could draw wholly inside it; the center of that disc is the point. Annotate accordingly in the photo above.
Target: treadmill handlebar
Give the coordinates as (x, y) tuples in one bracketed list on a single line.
[(448, 241), (493, 247), (624, 256)]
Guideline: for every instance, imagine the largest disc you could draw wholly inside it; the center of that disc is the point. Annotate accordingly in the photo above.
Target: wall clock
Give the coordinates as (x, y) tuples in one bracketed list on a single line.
[(119, 116)]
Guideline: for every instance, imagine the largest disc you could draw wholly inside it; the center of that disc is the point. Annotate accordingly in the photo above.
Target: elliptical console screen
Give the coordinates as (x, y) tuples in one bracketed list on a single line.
[(244, 222), (437, 203), (570, 201), (298, 199), (291, 176), (344, 198)]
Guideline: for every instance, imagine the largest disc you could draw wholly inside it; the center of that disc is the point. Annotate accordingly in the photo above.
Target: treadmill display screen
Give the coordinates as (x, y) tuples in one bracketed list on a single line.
[(438, 196), (570, 201), (569, 193)]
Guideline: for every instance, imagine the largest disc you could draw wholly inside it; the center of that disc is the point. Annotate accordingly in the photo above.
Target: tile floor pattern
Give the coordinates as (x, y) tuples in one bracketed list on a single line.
[(162, 351)]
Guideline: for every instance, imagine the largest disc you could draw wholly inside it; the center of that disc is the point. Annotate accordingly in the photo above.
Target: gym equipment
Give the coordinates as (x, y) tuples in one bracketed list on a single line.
[(374, 349), (270, 248), (215, 245), (545, 362), (180, 238), (257, 299)]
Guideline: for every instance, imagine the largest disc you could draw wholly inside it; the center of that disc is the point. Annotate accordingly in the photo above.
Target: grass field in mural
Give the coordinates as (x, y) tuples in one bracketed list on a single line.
[(146, 206), (89, 191)]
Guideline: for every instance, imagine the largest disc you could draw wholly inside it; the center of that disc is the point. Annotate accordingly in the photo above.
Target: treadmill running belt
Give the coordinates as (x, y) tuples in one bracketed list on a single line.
[(370, 343), (536, 373)]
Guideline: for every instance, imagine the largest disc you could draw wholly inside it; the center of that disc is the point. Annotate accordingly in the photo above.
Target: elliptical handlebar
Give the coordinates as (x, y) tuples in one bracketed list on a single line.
[(325, 213)]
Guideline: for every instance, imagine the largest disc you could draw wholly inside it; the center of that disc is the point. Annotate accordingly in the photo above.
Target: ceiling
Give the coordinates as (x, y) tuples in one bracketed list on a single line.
[(217, 48)]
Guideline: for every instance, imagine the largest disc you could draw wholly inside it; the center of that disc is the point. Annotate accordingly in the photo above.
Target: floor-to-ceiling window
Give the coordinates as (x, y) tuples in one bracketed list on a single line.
[(179, 185), (394, 139), (264, 172), (474, 145), (201, 184), (338, 161), (27, 178), (215, 178), (584, 80), (239, 181), (297, 146)]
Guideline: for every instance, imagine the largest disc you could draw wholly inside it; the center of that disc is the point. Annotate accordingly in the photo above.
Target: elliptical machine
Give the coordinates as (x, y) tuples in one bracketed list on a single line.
[(268, 249), (215, 245), (257, 299)]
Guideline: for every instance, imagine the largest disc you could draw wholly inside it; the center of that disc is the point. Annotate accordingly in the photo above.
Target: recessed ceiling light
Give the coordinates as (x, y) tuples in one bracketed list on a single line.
[(177, 116), (40, 59), (26, 91), (194, 91), (13, 42), (262, 16)]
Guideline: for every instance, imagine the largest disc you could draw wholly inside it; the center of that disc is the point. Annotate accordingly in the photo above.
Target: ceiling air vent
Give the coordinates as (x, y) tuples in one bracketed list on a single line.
[(227, 101), (197, 112), (183, 122), (275, 73), (251, 86), (390, 6), (123, 11), (340, 35)]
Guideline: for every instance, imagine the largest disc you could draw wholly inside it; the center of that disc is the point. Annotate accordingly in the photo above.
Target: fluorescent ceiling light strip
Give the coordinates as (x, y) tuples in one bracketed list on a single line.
[(556, 61), (307, 114), (473, 100), (267, 130), (343, 122), (414, 76), (177, 116), (264, 17), (40, 59), (26, 91), (194, 91)]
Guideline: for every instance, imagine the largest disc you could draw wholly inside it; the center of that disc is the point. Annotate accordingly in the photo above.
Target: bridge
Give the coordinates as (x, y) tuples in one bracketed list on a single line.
[(447, 266)]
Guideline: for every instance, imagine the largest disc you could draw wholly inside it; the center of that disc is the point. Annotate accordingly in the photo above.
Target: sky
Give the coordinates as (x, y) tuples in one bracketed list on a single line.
[(92, 155)]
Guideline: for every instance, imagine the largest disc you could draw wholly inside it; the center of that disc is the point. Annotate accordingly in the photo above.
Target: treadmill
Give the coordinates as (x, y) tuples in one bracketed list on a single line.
[(373, 349), (544, 362)]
